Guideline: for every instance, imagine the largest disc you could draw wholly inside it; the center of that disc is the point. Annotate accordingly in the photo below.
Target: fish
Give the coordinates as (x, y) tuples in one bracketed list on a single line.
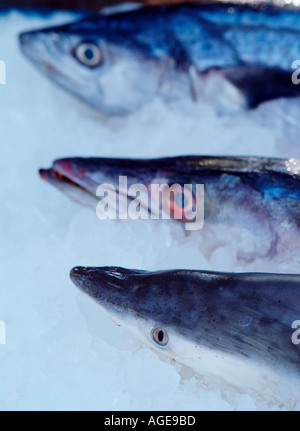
[(233, 328), (249, 203), (234, 56)]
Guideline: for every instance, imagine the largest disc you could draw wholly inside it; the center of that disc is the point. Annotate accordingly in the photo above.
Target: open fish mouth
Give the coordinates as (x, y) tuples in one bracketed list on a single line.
[(58, 179), (54, 176), (140, 182), (67, 185), (79, 186)]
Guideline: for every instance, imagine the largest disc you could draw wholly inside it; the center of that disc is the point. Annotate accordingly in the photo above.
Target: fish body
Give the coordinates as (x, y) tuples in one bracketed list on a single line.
[(248, 201), (235, 327), (118, 63)]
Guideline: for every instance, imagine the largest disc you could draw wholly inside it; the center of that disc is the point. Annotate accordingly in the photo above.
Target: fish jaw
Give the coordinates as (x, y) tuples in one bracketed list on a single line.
[(94, 175), (85, 175), (76, 193)]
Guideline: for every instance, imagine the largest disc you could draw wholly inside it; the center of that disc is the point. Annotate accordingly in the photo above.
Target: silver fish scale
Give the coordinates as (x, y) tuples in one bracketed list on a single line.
[(265, 47)]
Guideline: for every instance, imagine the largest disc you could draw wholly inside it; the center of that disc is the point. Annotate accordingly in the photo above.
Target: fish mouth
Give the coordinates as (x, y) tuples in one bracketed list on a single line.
[(53, 176), (25, 41), (31, 50), (80, 179), (73, 179), (34, 50), (69, 187)]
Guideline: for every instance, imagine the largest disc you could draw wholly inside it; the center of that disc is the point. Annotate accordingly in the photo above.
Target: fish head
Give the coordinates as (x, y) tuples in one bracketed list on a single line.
[(147, 304), (160, 187), (100, 60)]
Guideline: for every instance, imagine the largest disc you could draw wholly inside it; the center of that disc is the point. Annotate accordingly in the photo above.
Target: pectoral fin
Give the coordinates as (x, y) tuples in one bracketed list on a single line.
[(261, 84)]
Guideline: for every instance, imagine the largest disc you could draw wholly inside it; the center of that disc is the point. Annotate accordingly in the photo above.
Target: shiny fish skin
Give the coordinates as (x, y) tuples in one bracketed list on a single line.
[(151, 51)]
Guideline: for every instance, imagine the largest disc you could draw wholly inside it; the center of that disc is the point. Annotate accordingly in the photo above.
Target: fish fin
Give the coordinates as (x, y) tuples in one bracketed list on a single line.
[(259, 84)]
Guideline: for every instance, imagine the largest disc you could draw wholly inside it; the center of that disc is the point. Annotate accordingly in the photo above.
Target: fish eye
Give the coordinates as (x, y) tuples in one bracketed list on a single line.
[(183, 200), (89, 54), (160, 336), (181, 203)]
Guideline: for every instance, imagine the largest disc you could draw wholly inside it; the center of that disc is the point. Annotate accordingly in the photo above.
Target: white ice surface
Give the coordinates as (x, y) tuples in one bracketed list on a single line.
[(61, 351)]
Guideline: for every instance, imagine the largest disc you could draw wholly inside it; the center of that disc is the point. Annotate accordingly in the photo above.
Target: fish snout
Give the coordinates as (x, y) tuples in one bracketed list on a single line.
[(91, 277), (104, 281), (24, 39), (45, 174), (50, 176), (77, 275)]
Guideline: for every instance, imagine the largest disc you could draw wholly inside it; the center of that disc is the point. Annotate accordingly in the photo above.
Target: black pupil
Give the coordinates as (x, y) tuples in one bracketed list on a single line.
[(160, 336), (89, 53)]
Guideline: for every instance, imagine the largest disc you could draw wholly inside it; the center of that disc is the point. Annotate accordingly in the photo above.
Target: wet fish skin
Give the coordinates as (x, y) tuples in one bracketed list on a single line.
[(144, 52), (228, 317), (257, 196)]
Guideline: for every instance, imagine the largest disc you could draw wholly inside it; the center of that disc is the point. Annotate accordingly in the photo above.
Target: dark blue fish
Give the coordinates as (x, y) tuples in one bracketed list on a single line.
[(241, 328), (234, 55)]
